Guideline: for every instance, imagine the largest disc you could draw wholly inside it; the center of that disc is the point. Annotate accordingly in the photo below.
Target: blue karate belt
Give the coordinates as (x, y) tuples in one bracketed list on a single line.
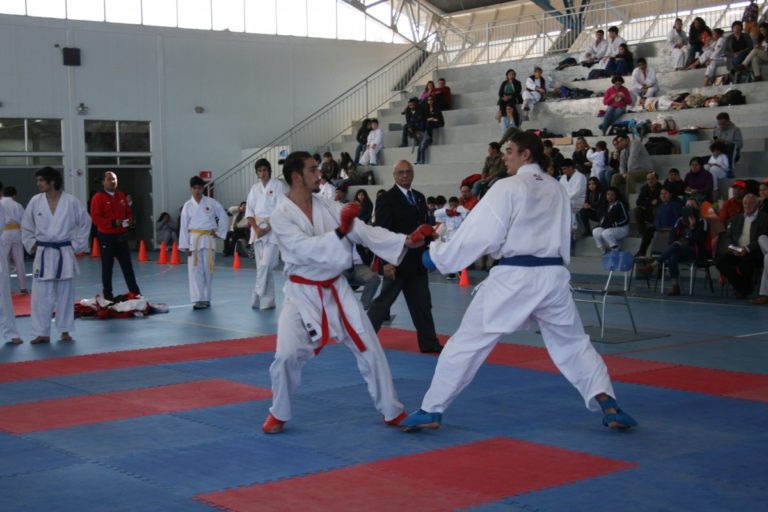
[(526, 260), (52, 245)]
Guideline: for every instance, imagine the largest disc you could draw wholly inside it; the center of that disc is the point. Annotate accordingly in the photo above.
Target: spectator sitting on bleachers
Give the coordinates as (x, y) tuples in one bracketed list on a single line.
[(329, 166), (443, 95), (622, 63), (763, 198), (674, 183), (579, 156), (689, 237), (617, 98), (644, 81), (493, 170), (433, 119), (340, 195), (744, 252), (366, 206), (593, 207), (508, 119), (614, 225), (556, 159), (535, 91), (510, 94), (730, 134), (733, 205), (575, 185), (466, 199), (414, 122), (759, 54), (598, 163), (327, 190), (429, 90), (645, 210), (614, 41), (634, 161), (695, 43), (718, 164), (712, 55), (374, 144), (678, 45), (698, 183), (737, 46), (362, 138), (431, 207), (595, 51), (449, 218)]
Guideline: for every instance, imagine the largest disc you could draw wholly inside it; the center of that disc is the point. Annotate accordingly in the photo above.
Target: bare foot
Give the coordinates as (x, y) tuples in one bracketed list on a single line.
[(65, 336), (40, 339)]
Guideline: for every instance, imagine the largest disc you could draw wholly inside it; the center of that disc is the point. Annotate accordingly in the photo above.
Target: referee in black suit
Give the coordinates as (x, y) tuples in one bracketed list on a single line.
[(402, 209)]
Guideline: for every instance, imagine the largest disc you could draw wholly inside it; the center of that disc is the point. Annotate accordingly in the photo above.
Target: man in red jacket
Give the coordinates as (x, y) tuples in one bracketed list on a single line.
[(112, 216)]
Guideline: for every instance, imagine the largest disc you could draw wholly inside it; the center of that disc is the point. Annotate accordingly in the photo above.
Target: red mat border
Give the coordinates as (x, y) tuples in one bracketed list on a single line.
[(120, 405), (739, 385), (451, 478)]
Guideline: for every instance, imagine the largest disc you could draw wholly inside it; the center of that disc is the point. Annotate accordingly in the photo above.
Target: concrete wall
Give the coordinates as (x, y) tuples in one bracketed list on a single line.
[(252, 87)]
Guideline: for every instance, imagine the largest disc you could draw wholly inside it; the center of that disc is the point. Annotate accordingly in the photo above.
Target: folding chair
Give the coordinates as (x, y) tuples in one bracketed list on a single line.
[(693, 268), (614, 262)]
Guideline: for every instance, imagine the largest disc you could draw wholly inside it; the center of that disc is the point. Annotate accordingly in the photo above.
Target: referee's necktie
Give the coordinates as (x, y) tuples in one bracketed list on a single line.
[(411, 198)]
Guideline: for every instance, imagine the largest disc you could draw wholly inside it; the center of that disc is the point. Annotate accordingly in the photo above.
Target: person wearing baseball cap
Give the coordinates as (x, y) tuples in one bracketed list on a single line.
[(733, 206)]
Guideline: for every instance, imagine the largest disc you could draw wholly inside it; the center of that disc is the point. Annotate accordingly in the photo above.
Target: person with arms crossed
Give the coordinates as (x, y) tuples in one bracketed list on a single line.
[(317, 239), (262, 200), (525, 221), (55, 227), (202, 219)]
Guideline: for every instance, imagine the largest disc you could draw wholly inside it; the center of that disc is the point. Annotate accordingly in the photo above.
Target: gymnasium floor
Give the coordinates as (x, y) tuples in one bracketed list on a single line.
[(164, 414)]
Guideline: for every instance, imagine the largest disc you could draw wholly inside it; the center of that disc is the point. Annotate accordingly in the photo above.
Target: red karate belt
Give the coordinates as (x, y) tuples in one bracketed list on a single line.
[(325, 331)]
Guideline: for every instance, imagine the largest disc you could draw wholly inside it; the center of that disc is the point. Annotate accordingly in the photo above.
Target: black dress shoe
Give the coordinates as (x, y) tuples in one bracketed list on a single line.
[(433, 350)]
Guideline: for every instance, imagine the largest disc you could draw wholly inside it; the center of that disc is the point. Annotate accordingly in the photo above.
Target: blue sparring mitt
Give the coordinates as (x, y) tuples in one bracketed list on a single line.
[(426, 259)]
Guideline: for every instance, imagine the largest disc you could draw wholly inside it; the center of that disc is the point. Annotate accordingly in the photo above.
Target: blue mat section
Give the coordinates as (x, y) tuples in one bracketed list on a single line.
[(223, 463), (19, 456), (34, 391), (88, 486), (124, 379)]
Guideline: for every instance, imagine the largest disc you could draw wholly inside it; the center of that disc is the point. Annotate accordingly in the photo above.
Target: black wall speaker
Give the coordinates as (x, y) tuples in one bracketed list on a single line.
[(71, 56)]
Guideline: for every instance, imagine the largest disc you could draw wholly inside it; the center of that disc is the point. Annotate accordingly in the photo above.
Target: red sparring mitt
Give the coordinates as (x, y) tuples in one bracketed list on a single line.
[(349, 213), (451, 213), (423, 232)]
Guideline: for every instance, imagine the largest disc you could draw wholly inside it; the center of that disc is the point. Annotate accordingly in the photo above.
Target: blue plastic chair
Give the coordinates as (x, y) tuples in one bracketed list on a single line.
[(614, 262)]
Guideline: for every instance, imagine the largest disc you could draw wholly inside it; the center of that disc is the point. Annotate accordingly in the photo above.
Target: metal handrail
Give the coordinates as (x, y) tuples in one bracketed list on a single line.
[(328, 122)]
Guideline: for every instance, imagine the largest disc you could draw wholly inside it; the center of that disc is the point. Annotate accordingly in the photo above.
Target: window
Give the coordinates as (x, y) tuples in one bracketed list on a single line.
[(123, 11), (27, 142), (92, 10), (117, 137)]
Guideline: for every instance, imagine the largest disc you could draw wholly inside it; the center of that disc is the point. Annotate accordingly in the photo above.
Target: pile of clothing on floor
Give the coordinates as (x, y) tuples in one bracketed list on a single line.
[(122, 306)]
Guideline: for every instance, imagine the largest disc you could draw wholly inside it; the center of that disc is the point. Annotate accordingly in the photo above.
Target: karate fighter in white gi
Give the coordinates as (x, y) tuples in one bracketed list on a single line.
[(55, 227), (202, 220), (525, 222), (264, 196), (7, 317), (317, 238), (11, 235)]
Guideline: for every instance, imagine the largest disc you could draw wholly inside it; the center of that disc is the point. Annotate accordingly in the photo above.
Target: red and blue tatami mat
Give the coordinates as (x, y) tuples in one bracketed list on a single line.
[(164, 414)]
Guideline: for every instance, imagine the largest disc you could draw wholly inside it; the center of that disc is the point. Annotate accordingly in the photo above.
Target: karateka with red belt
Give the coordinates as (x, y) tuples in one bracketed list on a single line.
[(317, 239)]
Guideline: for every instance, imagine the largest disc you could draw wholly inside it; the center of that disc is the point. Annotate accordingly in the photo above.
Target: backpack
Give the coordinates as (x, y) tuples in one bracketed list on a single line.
[(566, 63), (584, 132), (596, 73), (732, 97), (660, 146)]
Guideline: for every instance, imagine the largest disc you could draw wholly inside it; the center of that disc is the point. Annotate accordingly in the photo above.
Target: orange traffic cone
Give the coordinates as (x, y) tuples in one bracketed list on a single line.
[(95, 249), (142, 251), (464, 278), (175, 260), (236, 263), (163, 258)]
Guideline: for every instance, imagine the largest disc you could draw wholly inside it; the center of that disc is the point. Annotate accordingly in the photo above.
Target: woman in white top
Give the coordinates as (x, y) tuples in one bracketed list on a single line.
[(678, 43), (535, 89), (718, 165)]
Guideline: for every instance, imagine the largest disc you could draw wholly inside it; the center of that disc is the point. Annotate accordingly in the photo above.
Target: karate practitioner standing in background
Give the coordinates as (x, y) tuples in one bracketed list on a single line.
[(11, 235), (55, 227), (202, 220), (262, 200), (524, 222), (317, 238), (8, 329)]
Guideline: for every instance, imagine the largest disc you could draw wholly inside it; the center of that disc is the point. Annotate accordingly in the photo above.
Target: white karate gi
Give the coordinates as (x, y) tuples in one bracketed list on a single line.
[(327, 190), (576, 187), (374, 144), (8, 329), (526, 214), (718, 167), (312, 250), (261, 202), (595, 50), (713, 56), (611, 51), (451, 224), (207, 215), (530, 95), (598, 163), (640, 79), (11, 238), (51, 289), (679, 55)]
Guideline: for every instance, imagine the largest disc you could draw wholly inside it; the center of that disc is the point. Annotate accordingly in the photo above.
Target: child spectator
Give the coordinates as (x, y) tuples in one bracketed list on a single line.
[(449, 219), (674, 183), (718, 164), (598, 158), (678, 45), (535, 91)]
